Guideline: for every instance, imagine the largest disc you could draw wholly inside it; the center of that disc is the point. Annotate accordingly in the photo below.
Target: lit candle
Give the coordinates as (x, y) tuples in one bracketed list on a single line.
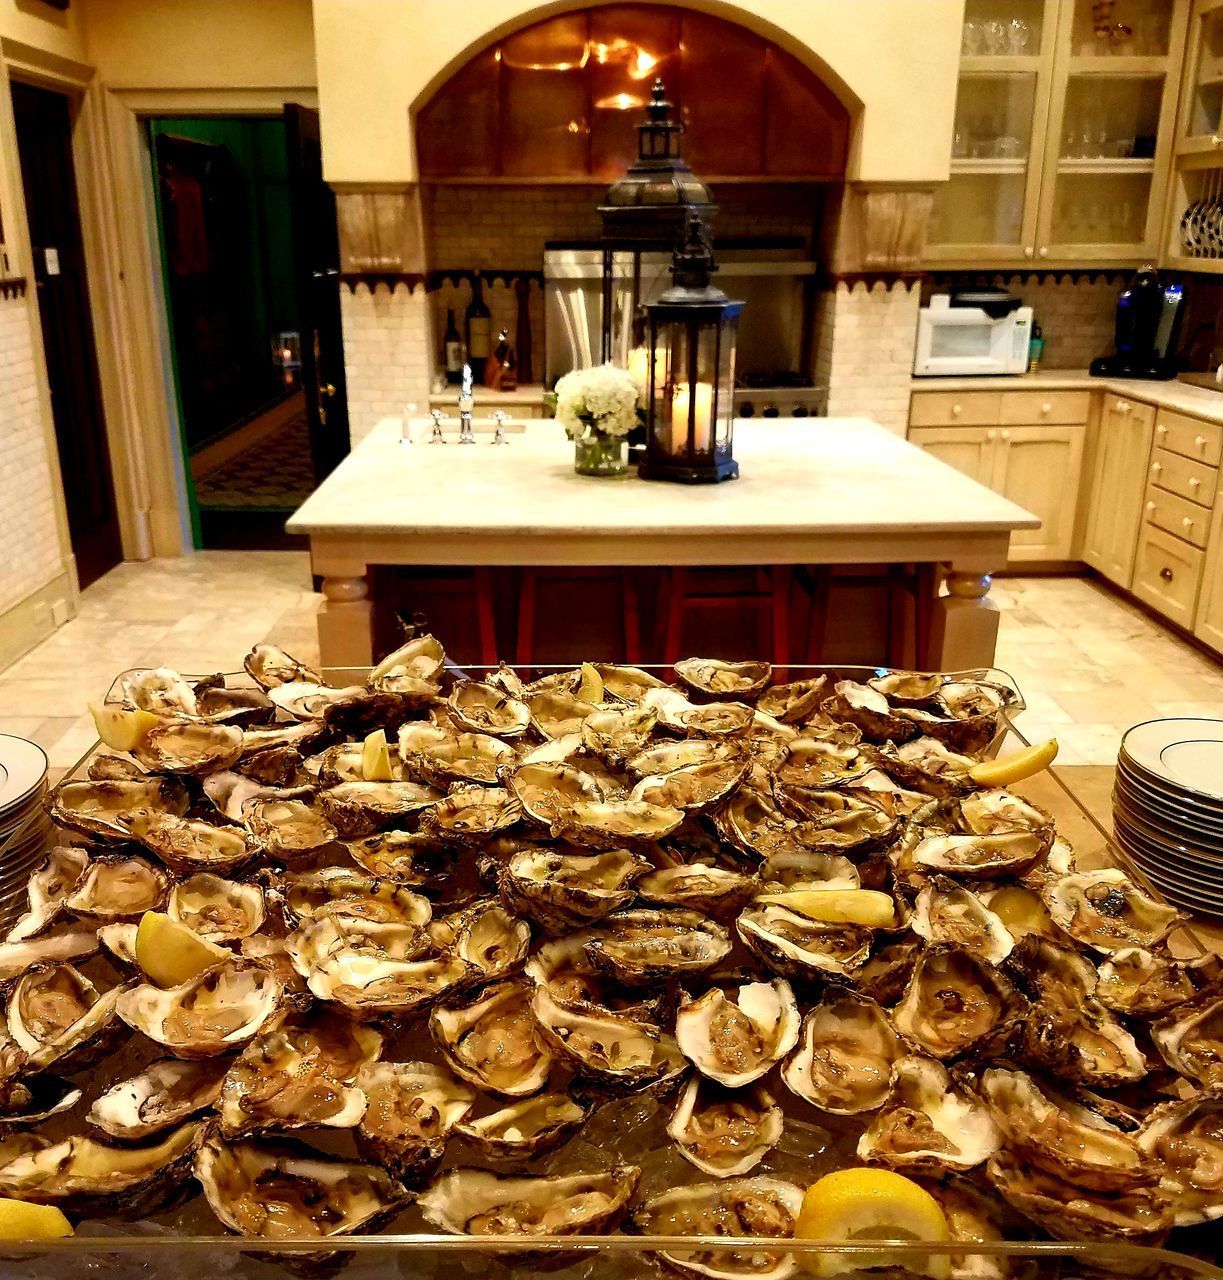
[(702, 417)]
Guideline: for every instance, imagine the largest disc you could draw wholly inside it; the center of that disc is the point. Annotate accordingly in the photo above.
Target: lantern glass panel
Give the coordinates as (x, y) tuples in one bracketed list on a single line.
[(726, 384), (670, 341)]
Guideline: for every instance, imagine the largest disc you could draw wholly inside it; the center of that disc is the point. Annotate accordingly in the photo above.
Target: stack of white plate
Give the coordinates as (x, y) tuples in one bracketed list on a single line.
[(25, 829), (1168, 808)]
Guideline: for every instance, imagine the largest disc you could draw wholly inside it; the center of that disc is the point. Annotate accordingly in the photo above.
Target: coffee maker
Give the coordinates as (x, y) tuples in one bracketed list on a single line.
[(1148, 324)]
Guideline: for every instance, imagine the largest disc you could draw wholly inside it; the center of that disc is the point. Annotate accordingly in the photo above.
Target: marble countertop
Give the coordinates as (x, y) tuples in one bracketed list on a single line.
[(1182, 397), (838, 476)]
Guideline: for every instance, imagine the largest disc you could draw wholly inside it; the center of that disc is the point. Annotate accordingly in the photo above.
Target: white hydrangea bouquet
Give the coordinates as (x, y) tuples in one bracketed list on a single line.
[(598, 408)]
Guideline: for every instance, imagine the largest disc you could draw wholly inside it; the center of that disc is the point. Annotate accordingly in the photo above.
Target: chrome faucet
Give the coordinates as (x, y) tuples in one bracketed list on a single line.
[(465, 406), (500, 418)]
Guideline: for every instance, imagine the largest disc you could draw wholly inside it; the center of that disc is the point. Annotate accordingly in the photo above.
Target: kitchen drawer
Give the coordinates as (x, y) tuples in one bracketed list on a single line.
[(1061, 408), (1193, 480), (1167, 575), (1177, 515), (954, 408), (1190, 437)]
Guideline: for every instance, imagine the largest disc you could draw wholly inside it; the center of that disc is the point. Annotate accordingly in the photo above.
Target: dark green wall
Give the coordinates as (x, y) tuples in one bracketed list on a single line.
[(261, 285)]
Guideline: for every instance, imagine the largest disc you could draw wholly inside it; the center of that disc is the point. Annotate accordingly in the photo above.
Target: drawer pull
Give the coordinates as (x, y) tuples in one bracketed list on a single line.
[(1150, 506), (1200, 441), (1161, 430), (1046, 407), (1194, 483), (1122, 407), (956, 410), (1166, 574), (1006, 435), (1156, 468), (989, 435), (1186, 524)]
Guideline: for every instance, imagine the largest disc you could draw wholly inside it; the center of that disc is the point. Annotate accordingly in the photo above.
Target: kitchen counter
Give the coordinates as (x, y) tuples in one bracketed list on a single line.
[(810, 492), (1181, 397)]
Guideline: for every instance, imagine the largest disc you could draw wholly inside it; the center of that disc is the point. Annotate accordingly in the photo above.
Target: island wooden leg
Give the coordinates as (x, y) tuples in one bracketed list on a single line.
[(964, 624), (345, 622)]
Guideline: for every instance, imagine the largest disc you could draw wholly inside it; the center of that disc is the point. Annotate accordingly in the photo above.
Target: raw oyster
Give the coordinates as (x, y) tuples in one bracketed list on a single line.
[(479, 1203), (67, 942), (1061, 1135), (441, 757), (618, 733), (561, 890), (737, 1039), (869, 710), (413, 1106), (219, 910), (190, 748), (942, 837), (216, 1012), (713, 679), (1185, 1141), (404, 857), (547, 792), (820, 765), (239, 706), (835, 821), (613, 1048), (807, 869), (471, 815), (756, 1206), (698, 886), (948, 912), (845, 1054), (955, 1002), (643, 946), (928, 1124), (343, 892), (101, 809), (796, 947), (1106, 911), (187, 844), (269, 666), (1138, 1214), (725, 1132), (926, 765), (56, 1015), (607, 824), (524, 1129), (710, 720), (159, 690), (287, 1190), (95, 1179), (489, 1040), (792, 703), (289, 830), (49, 887), (483, 708), (118, 889), (751, 820), (1190, 1039), (485, 936), (907, 688), (231, 792), (361, 808), (556, 714), (694, 787), (165, 1093), (1144, 985), (421, 658)]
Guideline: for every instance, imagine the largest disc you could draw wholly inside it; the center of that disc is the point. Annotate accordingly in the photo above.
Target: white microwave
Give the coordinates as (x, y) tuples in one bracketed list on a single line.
[(966, 340)]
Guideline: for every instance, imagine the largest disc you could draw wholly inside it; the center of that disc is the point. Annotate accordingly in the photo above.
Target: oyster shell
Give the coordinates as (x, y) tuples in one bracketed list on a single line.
[(165, 1093), (489, 1040), (955, 1002), (472, 815), (1141, 984), (343, 892), (409, 858), (270, 666), (835, 821), (844, 1056), (102, 810), (758, 1206), (49, 888), (563, 891), (476, 1202), (948, 912), (216, 1012), (907, 688), (629, 684), (64, 943), (95, 1179), (440, 757), (737, 1039), (710, 720), (698, 886), (793, 702), (120, 942), (556, 713), (751, 820), (820, 765), (1184, 1140), (1106, 911), (194, 748), (869, 710), (421, 658), (694, 787), (118, 889), (927, 765), (413, 1106), (483, 708), (616, 734), (485, 936), (287, 1190), (186, 845), (219, 910), (289, 830), (361, 808), (608, 824), (56, 1015), (711, 679), (806, 869), (643, 946), (927, 1124), (524, 1129), (1190, 1039), (725, 1132), (547, 792), (159, 690), (794, 947), (946, 838)]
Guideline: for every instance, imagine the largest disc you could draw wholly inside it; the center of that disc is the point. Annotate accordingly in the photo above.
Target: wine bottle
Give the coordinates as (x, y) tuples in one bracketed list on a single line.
[(452, 349), (479, 327)]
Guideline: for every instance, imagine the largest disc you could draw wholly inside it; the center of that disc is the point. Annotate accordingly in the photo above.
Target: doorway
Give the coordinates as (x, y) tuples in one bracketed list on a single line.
[(43, 120), (236, 214)]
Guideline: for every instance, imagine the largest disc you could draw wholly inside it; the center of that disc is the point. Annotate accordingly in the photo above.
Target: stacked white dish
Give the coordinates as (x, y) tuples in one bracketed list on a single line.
[(1168, 808), (25, 828)]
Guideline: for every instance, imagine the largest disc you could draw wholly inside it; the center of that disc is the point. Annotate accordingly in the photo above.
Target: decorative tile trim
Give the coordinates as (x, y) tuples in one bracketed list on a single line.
[(434, 280), (13, 287)]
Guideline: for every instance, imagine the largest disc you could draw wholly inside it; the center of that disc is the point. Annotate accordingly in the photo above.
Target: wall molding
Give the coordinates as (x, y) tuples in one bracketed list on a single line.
[(30, 621), (13, 287), (432, 281)]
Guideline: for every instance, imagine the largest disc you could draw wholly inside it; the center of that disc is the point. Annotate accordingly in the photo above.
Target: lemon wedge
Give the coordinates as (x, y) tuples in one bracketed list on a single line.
[(20, 1220), (1022, 911), (1015, 767), (170, 953), (376, 758), (590, 688), (122, 728), (866, 907), (859, 1205)]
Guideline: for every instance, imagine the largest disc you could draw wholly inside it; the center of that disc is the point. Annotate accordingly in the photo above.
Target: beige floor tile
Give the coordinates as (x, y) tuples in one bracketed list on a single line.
[(1104, 704)]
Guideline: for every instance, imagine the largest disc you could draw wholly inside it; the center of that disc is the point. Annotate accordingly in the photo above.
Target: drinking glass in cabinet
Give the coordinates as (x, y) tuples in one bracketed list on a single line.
[(1121, 28), (1002, 28)]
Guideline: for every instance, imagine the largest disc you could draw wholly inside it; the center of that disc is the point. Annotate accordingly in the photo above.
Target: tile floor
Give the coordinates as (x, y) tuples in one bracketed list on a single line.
[(1089, 664)]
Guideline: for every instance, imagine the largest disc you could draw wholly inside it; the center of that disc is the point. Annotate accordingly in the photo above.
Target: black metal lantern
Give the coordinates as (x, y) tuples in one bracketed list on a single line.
[(691, 370), (645, 212)]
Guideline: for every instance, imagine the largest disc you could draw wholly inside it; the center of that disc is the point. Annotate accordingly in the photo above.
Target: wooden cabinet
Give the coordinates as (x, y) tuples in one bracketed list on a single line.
[(1114, 512), (992, 438), (1208, 621), (1064, 133), (1167, 575)]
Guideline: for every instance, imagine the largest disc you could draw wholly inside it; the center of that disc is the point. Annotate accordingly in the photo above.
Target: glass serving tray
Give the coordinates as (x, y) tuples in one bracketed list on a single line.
[(183, 1241)]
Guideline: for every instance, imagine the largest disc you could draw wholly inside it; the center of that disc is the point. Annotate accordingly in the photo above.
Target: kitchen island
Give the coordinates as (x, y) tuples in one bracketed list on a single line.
[(810, 492)]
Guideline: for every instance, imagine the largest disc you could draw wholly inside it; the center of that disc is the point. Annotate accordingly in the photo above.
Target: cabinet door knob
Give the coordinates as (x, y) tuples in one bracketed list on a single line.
[(1150, 506), (1161, 430), (1122, 407), (1187, 524), (1028, 251), (1044, 251), (956, 410), (1194, 483), (1156, 468), (1006, 435), (1200, 441), (989, 435), (1166, 574), (1046, 407)]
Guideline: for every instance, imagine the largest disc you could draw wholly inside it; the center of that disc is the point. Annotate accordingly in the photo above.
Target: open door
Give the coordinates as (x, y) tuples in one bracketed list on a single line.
[(316, 249)]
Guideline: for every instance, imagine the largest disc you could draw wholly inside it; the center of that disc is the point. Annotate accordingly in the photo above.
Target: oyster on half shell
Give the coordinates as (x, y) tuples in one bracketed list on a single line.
[(725, 1132), (413, 1106), (643, 946), (735, 1039), (490, 1041), (524, 1129), (165, 1093)]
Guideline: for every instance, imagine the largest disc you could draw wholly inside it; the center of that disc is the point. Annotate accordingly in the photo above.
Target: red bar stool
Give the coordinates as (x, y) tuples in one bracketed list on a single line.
[(528, 595), (769, 598)]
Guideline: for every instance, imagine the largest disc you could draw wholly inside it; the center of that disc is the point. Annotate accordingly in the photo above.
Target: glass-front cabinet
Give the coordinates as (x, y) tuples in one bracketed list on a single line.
[(1064, 124), (1201, 112)]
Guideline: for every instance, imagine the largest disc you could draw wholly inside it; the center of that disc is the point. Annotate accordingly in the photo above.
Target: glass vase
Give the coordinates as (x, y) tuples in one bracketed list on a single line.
[(600, 455)]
